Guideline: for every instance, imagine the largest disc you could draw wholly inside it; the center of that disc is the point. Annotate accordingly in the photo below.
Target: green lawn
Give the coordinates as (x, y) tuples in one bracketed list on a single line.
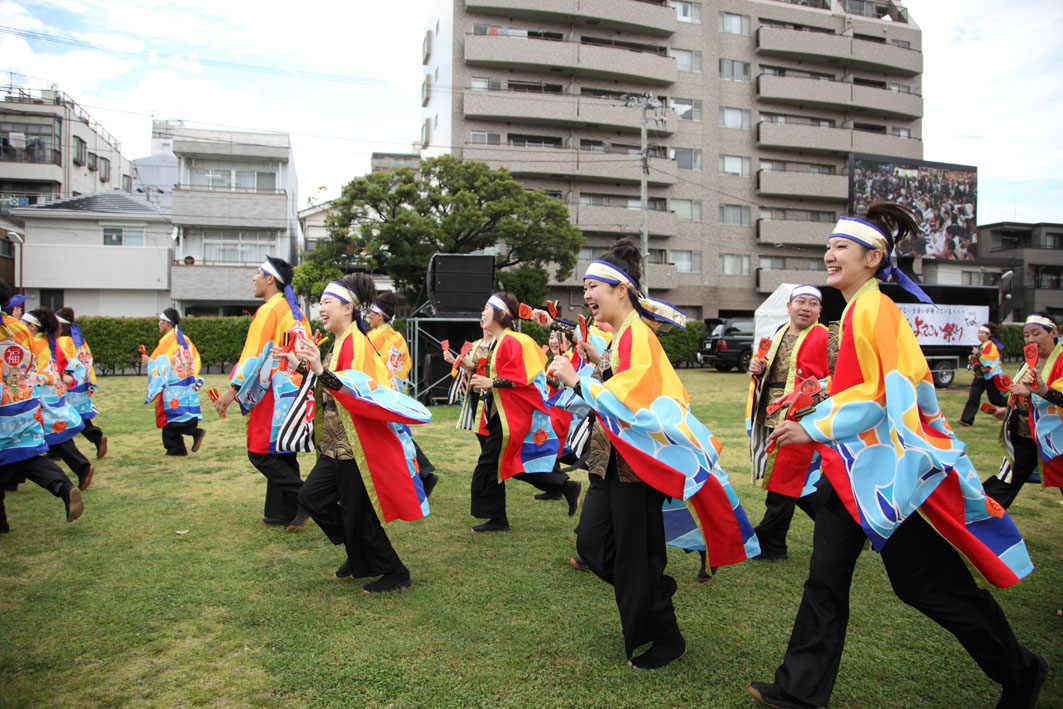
[(119, 609)]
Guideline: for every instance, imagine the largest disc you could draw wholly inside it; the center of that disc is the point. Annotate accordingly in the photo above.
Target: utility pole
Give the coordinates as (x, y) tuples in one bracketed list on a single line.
[(646, 102)]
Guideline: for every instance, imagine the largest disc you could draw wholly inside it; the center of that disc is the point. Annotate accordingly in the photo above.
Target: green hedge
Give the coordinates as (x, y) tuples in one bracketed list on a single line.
[(114, 340), (1011, 336)]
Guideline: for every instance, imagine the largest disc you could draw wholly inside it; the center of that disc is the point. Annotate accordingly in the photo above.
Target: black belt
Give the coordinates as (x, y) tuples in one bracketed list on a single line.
[(776, 385)]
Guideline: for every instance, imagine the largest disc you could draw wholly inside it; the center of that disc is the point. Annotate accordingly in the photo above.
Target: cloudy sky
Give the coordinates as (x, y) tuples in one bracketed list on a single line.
[(992, 81)]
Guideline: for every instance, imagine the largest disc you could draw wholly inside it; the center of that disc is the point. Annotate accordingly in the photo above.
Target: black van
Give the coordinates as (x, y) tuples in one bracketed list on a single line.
[(726, 343)]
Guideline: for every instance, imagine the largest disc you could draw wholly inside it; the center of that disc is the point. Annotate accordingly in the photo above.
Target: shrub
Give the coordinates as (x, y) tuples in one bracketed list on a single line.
[(114, 340)]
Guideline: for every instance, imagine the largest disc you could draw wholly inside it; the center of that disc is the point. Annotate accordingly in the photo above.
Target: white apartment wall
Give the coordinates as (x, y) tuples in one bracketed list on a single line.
[(108, 302), (445, 95)]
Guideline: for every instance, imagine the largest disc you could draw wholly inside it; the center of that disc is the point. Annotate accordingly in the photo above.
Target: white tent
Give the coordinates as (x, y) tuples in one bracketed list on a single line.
[(772, 313)]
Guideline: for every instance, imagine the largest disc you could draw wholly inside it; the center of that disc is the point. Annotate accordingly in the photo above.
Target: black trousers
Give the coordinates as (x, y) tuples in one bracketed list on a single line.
[(778, 513), (424, 466), (335, 496), (173, 436), (92, 432), (1025, 463), (926, 573), (78, 463), (38, 469), (620, 536), (282, 484), (489, 495), (974, 399)]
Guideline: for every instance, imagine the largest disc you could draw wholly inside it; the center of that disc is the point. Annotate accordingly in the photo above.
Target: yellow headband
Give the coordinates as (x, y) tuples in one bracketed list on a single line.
[(861, 232), (342, 292)]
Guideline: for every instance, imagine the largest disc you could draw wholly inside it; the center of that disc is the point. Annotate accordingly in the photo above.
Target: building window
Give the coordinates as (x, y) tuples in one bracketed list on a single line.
[(658, 256), (426, 132), (901, 88), (772, 263), (688, 109), (535, 87), (30, 142), (227, 180), (121, 236), (7, 248), (534, 141), (237, 247), (1050, 277), (735, 165), (734, 264), (870, 128), (687, 210), (81, 151), (735, 215), (52, 298), (902, 43), (686, 11), (93, 161), (1053, 240), (687, 261), (734, 70), (590, 253), (426, 89), (901, 132), (481, 138), (480, 83), (105, 169), (686, 59), (556, 194), (687, 158), (734, 24), (738, 118)]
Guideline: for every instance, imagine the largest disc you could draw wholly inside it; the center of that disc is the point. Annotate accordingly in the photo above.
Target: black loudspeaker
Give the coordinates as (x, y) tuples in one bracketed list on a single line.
[(432, 372), (460, 283)]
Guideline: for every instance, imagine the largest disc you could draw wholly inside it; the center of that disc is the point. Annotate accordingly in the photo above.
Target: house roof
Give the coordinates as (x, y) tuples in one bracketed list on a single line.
[(114, 202)]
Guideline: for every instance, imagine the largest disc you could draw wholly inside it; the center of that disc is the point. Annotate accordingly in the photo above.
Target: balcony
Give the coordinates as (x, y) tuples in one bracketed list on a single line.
[(212, 283), (620, 220), (792, 232), (839, 50), (574, 58), (660, 276), (887, 103), (768, 280), (635, 16), (804, 138), (883, 144), (839, 96), (199, 206), (571, 164), (561, 110), (809, 185)]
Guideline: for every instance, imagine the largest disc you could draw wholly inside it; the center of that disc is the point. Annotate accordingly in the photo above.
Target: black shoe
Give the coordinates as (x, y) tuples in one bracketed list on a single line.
[(428, 482), (771, 556), (389, 582), (272, 522), (571, 493), (1028, 695), (549, 496), (775, 696), (74, 504), (492, 526), (345, 570), (965, 423), (201, 433), (659, 655), (301, 515), (176, 454), (579, 564), (86, 480)]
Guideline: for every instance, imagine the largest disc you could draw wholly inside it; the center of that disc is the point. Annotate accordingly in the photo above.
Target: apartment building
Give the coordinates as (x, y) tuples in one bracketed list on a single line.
[(234, 201), (754, 109), (1034, 255), (51, 148)]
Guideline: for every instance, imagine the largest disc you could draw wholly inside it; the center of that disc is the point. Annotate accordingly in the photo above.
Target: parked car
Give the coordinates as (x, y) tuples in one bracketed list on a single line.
[(727, 344)]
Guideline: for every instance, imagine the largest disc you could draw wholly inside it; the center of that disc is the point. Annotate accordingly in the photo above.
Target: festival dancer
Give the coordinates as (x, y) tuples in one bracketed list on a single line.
[(798, 352), (173, 384), (22, 443), (391, 346), (54, 372), (895, 476), (645, 446), (81, 392), (516, 437), (988, 373), (365, 472), (268, 403), (1032, 433)]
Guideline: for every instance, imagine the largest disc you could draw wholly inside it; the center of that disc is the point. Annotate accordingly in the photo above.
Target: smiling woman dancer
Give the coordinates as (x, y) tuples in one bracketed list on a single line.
[(355, 485), (897, 477), (645, 446)]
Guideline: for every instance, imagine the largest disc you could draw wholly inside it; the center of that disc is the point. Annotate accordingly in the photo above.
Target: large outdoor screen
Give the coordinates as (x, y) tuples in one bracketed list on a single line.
[(942, 196)]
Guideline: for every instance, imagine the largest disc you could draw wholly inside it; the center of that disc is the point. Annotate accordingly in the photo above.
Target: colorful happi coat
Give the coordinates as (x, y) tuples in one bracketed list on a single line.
[(888, 450), (1046, 422), (61, 420), (21, 430), (790, 470), (529, 443), (645, 411), (375, 418), (265, 389), (173, 379), (78, 354), (391, 346), (567, 409), (990, 362)]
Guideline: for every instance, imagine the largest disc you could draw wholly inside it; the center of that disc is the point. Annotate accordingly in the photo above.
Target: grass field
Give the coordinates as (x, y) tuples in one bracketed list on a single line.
[(118, 609)]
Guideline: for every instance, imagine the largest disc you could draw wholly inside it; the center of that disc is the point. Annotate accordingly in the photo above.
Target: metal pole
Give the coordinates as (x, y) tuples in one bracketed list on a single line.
[(644, 199)]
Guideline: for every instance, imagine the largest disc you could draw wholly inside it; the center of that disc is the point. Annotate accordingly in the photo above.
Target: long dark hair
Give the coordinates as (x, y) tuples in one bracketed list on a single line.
[(362, 285), (625, 255), (49, 323), (504, 319), (388, 302), (894, 220)]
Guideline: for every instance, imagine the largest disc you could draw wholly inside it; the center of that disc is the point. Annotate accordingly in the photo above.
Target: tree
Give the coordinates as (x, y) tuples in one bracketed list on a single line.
[(393, 222)]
